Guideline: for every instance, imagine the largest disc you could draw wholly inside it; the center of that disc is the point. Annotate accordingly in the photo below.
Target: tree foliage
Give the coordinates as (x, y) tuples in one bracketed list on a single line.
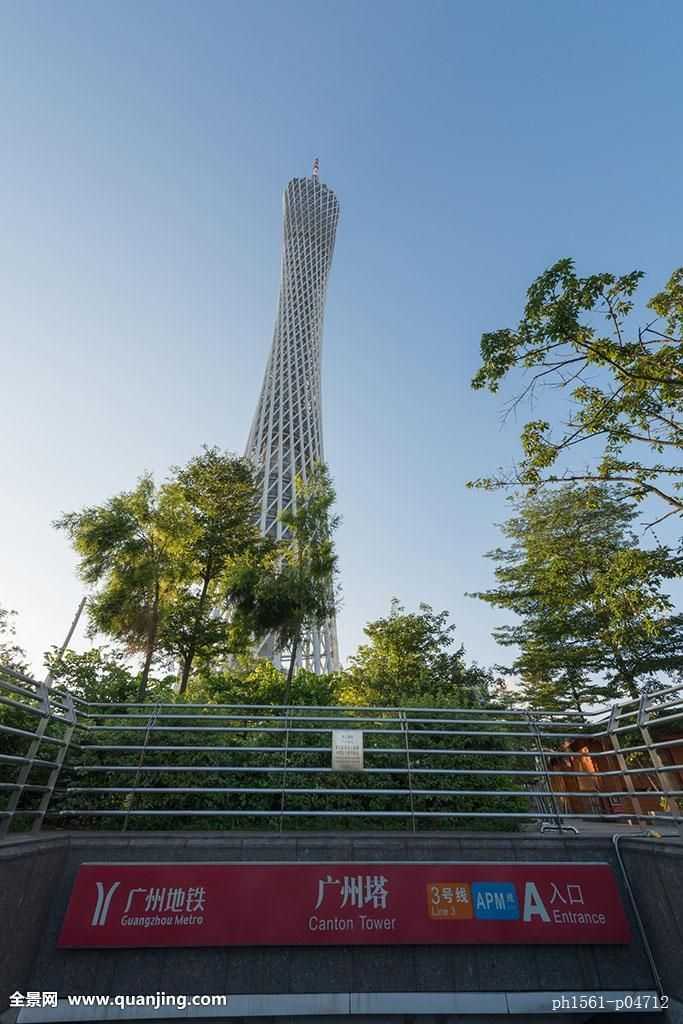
[(410, 658), (103, 675), (128, 550), (216, 500), (102, 678), (626, 388), (252, 680), (284, 588), (158, 559), (11, 654), (589, 598)]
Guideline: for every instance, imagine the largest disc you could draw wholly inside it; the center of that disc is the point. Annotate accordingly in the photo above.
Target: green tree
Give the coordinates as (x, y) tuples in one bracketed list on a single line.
[(626, 389), (217, 508), (589, 597), (11, 654), (410, 658), (282, 590), (128, 549), (252, 680), (102, 675)]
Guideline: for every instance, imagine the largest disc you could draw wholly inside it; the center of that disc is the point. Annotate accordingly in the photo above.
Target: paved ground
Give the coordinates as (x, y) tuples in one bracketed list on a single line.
[(590, 827)]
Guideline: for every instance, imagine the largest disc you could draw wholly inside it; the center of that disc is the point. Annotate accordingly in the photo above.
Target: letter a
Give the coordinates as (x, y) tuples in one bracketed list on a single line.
[(533, 904)]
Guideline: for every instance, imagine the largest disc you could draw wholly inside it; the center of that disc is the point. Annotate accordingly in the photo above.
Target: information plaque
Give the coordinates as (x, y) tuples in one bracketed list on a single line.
[(347, 750)]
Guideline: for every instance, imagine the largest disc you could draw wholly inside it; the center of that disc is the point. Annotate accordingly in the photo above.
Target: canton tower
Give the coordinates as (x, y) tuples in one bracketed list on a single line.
[(286, 434)]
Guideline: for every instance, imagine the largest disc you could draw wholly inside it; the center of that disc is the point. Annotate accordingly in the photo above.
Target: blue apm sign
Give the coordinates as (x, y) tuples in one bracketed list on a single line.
[(495, 901)]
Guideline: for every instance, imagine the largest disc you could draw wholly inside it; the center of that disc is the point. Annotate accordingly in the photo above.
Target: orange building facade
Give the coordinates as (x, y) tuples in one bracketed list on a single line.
[(602, 786)]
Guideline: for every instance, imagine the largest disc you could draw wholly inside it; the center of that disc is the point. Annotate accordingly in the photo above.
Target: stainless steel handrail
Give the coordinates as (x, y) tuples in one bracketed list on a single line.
[(430, 759)]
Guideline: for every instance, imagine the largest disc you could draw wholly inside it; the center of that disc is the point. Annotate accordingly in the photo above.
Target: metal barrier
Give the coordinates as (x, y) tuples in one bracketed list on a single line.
[(36, 730), (220, 766)]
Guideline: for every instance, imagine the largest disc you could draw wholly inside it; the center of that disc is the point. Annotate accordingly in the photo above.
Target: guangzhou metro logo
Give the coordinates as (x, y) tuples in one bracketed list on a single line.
[(151, 907), (103, 903)]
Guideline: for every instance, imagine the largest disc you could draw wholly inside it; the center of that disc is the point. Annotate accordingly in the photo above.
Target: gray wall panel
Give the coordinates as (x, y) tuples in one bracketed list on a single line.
[(53, 865)]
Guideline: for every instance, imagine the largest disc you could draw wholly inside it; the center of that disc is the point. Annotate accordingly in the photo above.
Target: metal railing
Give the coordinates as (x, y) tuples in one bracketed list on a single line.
[(36, 730), (77, 764)]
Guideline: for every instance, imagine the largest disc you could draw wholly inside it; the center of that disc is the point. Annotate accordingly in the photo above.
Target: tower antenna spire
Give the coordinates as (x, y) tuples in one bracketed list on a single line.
[(316, 168)]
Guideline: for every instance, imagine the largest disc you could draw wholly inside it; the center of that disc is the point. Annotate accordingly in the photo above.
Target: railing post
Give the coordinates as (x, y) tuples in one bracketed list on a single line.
[(621, 761), (555, 809), (657, 763), (130, 799), (59, 759), (283, 795), (26, 768), (404, 727)]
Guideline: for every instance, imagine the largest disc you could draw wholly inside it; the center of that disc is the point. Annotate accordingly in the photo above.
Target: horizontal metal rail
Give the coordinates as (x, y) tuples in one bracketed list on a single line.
[(17, 759), (25, 811), (667, 718), (311, 729), (215, 749), (433, 752), (329, 791), (179, 716), (31, 735), (276, 813), (28, 786), (324, 770), (351, 710)]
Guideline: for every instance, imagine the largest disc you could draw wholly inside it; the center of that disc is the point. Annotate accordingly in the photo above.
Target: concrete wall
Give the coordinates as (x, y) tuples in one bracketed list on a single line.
[(656, 873), (36, 879), (31, 872)]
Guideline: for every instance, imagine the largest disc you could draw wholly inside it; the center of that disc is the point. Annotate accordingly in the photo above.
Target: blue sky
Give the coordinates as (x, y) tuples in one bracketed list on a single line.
[(145, 149)]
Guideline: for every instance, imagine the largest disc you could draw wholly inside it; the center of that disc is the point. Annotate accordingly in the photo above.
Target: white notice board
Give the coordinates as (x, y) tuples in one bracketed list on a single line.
[(347, 750)]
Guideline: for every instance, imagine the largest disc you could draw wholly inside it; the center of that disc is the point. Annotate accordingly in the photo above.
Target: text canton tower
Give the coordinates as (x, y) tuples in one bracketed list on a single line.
[(286, 434)]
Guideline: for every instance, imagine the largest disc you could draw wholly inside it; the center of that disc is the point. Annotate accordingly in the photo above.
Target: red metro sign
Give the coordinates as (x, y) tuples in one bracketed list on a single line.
[(130, 905)]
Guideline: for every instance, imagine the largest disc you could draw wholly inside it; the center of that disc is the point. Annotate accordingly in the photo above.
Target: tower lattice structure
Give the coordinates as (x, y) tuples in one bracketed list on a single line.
[(286, 437)]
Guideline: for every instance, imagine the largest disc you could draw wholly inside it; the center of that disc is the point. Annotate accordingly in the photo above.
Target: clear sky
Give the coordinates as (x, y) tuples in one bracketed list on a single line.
[(145, 149)]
